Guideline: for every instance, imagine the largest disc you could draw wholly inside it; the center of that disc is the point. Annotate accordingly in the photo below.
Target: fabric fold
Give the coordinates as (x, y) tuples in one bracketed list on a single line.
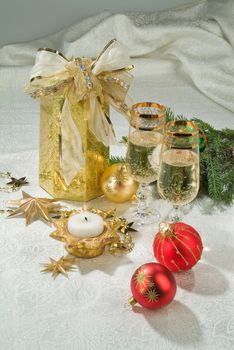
[(199, 37)]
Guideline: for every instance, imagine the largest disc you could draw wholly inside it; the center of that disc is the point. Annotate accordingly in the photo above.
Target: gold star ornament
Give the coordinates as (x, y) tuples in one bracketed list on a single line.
[(60, 266), (17, 183), (34, 208), (12, 185)]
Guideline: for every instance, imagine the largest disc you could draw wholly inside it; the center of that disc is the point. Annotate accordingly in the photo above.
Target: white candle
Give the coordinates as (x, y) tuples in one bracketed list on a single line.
[(85, 224)]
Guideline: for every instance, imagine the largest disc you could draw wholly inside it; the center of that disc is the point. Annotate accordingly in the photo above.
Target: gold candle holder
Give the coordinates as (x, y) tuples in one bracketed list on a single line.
[(115, 235)]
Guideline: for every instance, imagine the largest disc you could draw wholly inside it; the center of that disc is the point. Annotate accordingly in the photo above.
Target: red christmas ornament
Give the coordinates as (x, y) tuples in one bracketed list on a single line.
[(153, 286), (177, 246)]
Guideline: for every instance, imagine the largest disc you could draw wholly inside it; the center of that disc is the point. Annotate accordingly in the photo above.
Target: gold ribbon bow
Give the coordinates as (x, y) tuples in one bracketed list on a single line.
[(105, 79)]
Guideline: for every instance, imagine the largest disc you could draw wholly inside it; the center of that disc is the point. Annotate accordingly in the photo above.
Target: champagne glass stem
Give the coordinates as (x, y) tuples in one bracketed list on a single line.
[(143, 215), (142, 200), (175, 214)]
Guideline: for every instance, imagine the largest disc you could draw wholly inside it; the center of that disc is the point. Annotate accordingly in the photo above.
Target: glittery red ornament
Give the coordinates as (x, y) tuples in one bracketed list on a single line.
[(177, 246), (153, 286)]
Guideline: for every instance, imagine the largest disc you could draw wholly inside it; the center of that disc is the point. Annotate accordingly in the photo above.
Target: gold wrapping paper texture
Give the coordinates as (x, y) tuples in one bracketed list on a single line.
[(86, 183)]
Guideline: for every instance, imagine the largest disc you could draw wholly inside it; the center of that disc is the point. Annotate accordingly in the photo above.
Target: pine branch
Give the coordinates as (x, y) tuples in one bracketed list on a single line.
[(169, 115), (219, 158), (124, 139), (114, 160)]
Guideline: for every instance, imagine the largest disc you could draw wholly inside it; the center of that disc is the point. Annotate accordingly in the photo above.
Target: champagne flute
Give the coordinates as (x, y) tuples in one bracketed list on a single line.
[(178, 179), (143, 153)]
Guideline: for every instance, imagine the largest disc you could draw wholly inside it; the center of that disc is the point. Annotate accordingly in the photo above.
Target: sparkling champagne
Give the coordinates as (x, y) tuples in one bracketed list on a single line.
[(143, 155), (179, 176)]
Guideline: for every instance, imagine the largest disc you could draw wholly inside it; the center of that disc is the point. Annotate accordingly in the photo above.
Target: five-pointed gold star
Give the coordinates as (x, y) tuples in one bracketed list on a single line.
[(59, 266), (34, 207), (17, 183)]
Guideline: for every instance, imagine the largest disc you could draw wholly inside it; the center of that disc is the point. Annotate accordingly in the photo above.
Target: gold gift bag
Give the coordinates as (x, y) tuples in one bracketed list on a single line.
[(75, 129), (86, 183)]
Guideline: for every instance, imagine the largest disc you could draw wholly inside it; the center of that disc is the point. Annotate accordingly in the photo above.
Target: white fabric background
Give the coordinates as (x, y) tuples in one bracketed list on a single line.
[(183, 59)]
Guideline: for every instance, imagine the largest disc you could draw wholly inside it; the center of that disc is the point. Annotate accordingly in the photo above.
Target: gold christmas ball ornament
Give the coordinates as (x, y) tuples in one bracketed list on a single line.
[(117, 184)]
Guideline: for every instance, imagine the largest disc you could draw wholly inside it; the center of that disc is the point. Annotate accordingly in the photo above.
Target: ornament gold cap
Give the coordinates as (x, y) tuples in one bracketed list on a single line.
[(132, 301), (166, 228)]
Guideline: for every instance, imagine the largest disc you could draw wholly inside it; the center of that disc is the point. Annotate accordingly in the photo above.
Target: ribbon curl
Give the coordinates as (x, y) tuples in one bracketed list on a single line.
[(105, 79)]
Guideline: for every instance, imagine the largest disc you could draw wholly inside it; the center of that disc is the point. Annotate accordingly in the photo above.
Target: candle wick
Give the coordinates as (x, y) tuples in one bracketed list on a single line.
[(86, 218)]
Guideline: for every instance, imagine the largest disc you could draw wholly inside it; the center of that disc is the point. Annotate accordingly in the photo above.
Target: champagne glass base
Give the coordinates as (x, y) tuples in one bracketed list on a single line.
[(151, 216)]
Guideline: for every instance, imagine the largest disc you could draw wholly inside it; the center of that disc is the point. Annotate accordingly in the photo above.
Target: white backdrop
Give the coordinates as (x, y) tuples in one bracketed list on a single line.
[(30, 19)]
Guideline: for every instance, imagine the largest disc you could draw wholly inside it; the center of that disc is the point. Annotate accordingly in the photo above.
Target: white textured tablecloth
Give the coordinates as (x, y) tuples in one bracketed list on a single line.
[(87, 311)]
